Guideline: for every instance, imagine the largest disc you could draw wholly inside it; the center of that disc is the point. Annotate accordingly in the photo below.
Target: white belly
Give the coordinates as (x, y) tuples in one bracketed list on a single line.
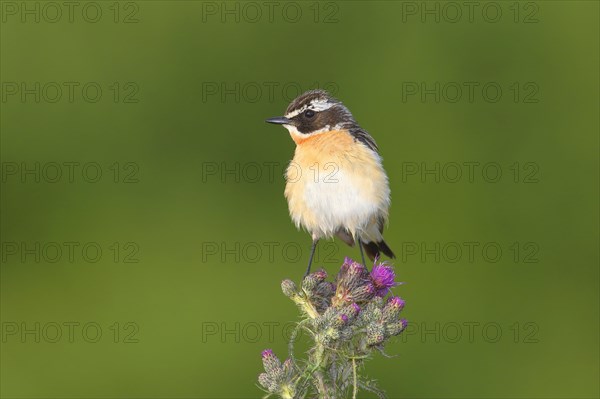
[(338, 203), (328, 200)]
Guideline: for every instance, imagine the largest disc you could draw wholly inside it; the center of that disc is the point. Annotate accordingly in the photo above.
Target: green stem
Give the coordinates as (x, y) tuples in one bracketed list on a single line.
[(319, 365), (321, 388), (355, 389)]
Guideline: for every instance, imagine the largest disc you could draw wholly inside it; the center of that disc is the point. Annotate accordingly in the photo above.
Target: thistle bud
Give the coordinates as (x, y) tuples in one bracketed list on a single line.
[(265, 381), (288, 366), (375, 334), (396, 327), (396, 302), (320, 274), (326, 289), (271, 363), (392, 309), (358, 271), (346, 265), (362, 293), (352, 274), (310, 282), (289, 288), (351, 311), (368, 313)]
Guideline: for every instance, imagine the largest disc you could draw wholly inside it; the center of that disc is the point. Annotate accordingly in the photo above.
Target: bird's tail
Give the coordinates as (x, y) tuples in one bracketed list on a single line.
[(374, 249)]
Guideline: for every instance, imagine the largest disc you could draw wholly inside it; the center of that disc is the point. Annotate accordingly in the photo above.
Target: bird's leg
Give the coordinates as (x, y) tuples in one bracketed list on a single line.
[(312, 254), (362, 254)]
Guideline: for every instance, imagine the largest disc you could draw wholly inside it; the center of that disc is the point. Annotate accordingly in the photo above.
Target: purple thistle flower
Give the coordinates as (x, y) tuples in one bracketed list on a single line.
[(356, 307), (344, 318), (267, 353), (383, 279)]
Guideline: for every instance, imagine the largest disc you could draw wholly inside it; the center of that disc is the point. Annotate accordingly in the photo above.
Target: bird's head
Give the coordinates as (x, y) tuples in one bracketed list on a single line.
[(314, 112)]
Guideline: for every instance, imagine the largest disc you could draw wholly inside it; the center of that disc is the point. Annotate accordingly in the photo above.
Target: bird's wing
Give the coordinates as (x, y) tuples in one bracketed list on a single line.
[(365, 138)]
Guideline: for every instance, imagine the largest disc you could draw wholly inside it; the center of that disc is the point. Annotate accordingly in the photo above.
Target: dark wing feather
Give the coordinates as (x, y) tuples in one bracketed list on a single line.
[(363, 137)]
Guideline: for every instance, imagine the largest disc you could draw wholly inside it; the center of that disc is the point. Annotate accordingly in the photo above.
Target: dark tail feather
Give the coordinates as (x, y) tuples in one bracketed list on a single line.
[(374, 249), (386, 250), (371, 249)]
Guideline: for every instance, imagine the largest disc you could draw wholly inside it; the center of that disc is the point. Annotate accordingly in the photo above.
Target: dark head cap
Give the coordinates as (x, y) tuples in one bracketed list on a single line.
[(315, 111)]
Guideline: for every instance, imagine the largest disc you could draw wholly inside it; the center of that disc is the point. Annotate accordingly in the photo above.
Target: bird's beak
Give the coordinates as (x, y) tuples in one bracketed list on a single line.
[(279, 120)]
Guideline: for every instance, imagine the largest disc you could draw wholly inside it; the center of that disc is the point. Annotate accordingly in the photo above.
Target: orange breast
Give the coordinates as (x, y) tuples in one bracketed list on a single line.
[(329, 144), (332, 170)]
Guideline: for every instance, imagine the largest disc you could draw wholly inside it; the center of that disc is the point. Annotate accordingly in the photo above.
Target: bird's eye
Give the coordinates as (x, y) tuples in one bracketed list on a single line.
[(309, 113)]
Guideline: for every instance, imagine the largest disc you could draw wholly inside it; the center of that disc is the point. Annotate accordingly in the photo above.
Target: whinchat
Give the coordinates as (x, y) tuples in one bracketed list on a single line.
[(335, 184)]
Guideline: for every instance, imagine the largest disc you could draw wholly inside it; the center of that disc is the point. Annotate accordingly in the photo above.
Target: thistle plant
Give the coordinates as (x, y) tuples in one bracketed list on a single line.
[(347, 320)]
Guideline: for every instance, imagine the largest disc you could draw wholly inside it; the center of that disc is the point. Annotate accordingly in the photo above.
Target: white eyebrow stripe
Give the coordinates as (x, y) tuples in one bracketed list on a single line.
[(316, 105), (296, 112)]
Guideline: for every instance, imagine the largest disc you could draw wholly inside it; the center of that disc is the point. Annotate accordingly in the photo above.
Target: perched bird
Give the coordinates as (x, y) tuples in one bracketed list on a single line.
[(336, 184)]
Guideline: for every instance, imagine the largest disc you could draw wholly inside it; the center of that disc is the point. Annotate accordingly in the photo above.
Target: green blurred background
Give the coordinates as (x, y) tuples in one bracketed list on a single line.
[(189, 295)]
